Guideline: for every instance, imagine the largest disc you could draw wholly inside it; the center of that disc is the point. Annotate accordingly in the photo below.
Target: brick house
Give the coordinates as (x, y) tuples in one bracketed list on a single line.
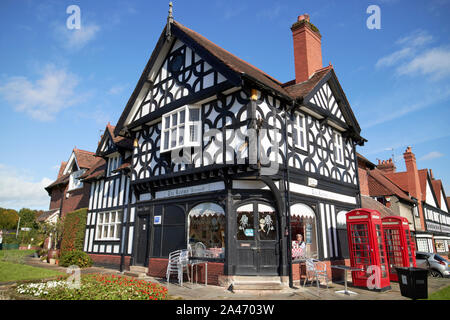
[(413, 194), (67, 193)]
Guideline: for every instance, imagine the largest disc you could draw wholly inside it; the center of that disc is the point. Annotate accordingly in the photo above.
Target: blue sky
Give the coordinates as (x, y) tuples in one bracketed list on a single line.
[(60, 87)]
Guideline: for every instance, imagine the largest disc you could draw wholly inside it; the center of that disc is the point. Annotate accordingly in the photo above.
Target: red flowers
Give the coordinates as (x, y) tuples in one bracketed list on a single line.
[(129, 288)]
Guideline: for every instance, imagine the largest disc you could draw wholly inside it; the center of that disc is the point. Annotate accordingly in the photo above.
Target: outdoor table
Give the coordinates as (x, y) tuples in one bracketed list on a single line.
[(346, 268)]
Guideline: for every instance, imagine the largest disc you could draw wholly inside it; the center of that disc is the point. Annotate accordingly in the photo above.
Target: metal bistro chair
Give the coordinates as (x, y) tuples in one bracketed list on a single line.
[(317, 270), (178, 261), (199, 251)]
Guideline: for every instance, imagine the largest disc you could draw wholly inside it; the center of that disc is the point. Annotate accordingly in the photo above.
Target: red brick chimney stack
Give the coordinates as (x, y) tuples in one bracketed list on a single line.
[(413, 181), (387, 166), (307, 48)]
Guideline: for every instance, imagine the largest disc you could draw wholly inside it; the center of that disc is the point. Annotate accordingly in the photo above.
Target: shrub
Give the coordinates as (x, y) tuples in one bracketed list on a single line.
[(11, 239), (75, 257), (74, 229)]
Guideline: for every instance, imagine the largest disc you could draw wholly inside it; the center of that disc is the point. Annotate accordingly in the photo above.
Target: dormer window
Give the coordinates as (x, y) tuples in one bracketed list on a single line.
[(181, 128), (74, 182), (114, 162), (338, 148)]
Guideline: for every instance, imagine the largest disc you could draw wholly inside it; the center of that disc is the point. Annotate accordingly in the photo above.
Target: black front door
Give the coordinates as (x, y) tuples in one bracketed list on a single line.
[(257, 240), (142, 245)]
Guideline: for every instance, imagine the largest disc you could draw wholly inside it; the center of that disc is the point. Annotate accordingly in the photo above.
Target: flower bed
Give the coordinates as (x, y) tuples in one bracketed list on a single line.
[(96, 287)]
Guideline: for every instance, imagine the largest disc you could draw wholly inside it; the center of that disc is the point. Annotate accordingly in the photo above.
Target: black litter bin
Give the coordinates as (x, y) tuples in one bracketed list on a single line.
[(413, 282)]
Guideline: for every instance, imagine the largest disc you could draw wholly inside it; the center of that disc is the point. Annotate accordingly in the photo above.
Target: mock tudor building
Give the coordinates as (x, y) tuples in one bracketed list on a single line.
[(107, 216), (226, 155), (413, 194)]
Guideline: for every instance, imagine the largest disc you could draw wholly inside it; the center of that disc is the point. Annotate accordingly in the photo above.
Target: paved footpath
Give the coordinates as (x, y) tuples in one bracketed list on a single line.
[(191, 291)]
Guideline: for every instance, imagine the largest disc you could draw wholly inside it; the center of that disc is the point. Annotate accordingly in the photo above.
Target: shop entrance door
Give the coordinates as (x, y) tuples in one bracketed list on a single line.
[(257, 240)]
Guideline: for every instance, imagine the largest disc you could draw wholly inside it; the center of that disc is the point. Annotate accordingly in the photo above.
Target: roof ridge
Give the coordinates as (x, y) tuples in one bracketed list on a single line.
[(249, 64)]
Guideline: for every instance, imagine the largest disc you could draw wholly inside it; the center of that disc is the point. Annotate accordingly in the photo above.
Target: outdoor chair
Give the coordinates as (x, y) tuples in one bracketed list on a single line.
[(199, 251), (178, 261), (316, 270)]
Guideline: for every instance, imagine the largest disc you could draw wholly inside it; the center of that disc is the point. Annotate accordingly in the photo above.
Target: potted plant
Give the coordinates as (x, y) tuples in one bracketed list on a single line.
[(54, 232)]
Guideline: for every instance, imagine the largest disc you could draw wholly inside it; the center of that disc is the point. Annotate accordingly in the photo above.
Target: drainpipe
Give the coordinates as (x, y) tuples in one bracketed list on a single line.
[(287, 197)]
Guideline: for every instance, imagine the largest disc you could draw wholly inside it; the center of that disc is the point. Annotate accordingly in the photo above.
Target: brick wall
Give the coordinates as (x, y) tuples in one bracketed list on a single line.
[(109, 260), (157, 268), (77, 199)]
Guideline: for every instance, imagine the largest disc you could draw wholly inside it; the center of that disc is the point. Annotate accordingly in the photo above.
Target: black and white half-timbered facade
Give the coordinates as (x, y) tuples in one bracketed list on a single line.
[(108, 217), (226, 155)]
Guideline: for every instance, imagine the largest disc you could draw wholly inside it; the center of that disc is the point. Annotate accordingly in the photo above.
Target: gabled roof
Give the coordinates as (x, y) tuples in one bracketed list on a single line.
[(97, 171), (380, 185), (363, 159), (238, 71), (369, 203), (85, 159), (61, 168), (118, 141), (437, 186), (62, 180)]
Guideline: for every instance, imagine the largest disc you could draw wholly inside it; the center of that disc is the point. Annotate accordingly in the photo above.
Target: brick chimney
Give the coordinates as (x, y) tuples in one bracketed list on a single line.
[(387, 166), (413, 181), (307, 48)]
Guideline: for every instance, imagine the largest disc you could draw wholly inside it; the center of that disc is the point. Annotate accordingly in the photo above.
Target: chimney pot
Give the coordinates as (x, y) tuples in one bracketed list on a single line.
[(303, 17)]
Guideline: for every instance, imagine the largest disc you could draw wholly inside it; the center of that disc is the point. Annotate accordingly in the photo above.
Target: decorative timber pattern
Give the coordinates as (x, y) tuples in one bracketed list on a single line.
[(324, 99), (221, 143), (319, 157), (183, 73)]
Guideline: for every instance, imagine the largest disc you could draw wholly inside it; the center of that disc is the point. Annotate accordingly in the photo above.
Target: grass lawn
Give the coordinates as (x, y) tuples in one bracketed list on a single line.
[(443, 294), (12, 268)]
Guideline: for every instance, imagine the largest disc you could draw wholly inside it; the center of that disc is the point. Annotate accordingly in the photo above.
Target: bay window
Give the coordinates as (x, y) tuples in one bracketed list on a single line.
[(181, 128)]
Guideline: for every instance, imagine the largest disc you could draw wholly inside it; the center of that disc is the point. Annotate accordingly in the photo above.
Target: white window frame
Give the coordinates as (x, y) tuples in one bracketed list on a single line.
[(114, 162), (338, 148), (104, 220), (74, 182), (180, 129), (299, 134)]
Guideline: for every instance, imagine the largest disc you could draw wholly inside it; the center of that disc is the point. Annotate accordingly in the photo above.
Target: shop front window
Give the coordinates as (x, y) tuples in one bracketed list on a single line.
[(207, 226), (303, 232)]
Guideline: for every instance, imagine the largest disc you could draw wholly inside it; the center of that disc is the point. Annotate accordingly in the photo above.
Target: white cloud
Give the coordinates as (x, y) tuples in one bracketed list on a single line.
[(43, 98), (416, 57), (76, 39), (434, 62), (431, 155), (393, 58), (18, 190)]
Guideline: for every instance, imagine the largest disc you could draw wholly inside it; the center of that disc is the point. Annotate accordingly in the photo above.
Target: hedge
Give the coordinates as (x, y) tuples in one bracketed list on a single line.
[(74, 229)]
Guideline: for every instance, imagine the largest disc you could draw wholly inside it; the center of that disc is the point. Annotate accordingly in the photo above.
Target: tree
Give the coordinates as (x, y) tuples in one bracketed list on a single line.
[(8, 219), (28, 218)]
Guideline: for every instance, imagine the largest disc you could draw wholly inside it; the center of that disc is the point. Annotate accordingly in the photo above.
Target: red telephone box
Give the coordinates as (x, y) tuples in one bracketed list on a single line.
[(399, 247), (367, 249)]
